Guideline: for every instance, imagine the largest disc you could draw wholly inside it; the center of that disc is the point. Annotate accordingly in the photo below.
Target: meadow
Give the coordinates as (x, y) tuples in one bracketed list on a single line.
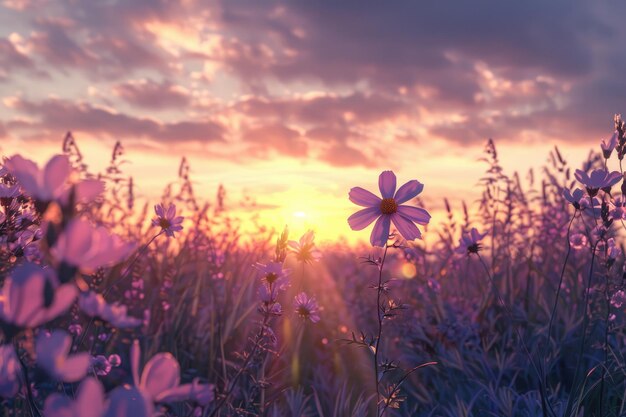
[(514, 306)]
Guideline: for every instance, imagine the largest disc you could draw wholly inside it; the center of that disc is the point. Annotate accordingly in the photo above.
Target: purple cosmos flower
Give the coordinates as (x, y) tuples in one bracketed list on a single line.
[(305, 249), (273, 274), (86, 247), (41, 184), (388, 209), (94, 305), (470, 242), (598, 179), (306, 307), (9, 372), (167, 220), (53, 356), (608, 145), (89, 402), (32, 296), (160, 378), (574, 198)]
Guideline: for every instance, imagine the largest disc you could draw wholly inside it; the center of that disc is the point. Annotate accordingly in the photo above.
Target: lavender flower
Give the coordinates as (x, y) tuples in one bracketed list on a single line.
[(608, 145)]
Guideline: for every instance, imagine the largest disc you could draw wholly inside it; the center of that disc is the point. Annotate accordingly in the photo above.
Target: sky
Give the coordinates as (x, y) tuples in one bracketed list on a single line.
[(292, 103)]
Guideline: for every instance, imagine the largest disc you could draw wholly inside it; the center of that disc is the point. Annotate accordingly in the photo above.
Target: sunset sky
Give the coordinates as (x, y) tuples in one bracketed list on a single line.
[(294, 102)]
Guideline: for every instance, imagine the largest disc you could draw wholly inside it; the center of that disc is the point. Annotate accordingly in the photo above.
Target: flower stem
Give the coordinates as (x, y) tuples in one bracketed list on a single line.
[(379, 290)]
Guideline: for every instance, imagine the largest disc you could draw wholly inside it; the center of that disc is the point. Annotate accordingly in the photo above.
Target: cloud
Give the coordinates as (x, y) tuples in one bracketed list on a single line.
[(277, 137), (153, 95), (60, 115), (11, 58)]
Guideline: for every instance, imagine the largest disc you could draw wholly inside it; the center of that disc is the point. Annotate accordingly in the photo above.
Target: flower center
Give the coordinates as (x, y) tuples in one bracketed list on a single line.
[(303, 311), (164, 223), (388, 206), (271, 278)]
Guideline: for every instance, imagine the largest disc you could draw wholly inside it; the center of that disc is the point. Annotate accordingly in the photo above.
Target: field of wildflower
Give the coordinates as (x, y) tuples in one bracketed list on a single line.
[(515, 307)]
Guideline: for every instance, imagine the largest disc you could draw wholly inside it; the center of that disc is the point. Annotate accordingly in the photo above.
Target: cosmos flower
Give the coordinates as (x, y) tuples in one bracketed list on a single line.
[(273, 274), (470, 242), (41, 184), (53, 356), (388, 209), (52, 182), (85, 247), (167, 220), (89, 402), (306, 307), (574, 198), (9, 372), (32, 296), (598, 179), (305, 249), (160, 379), (608, 145), (94, 305)]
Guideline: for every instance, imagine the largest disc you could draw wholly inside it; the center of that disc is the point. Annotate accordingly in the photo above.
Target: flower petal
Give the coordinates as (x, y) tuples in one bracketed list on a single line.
[(406, 227), (408, 191), (160, 374), (380, 232), (363, 218), (416, 214), (362, 197), (55, 174), (387, 184)]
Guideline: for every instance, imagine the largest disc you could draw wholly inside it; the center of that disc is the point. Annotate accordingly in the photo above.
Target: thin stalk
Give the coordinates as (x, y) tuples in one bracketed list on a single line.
[(379, 290)]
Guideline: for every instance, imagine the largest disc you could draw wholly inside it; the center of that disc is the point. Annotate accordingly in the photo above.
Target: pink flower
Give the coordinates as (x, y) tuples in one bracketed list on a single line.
[(89, 402), (273, 274), (53, 356), (9, 372), (86, 247), (94, 305), (52, 182), (305, 249), (578, 241), (167, 220), (470, 242), (388, 209), (598, 179), (608, 145), (574, 198), (32, 296), (129, 401), (160, 379), (306, 307), (41, 184)]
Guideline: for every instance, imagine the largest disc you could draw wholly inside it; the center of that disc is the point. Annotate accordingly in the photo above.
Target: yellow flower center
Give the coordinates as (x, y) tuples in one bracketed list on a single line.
[(388, 206)]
